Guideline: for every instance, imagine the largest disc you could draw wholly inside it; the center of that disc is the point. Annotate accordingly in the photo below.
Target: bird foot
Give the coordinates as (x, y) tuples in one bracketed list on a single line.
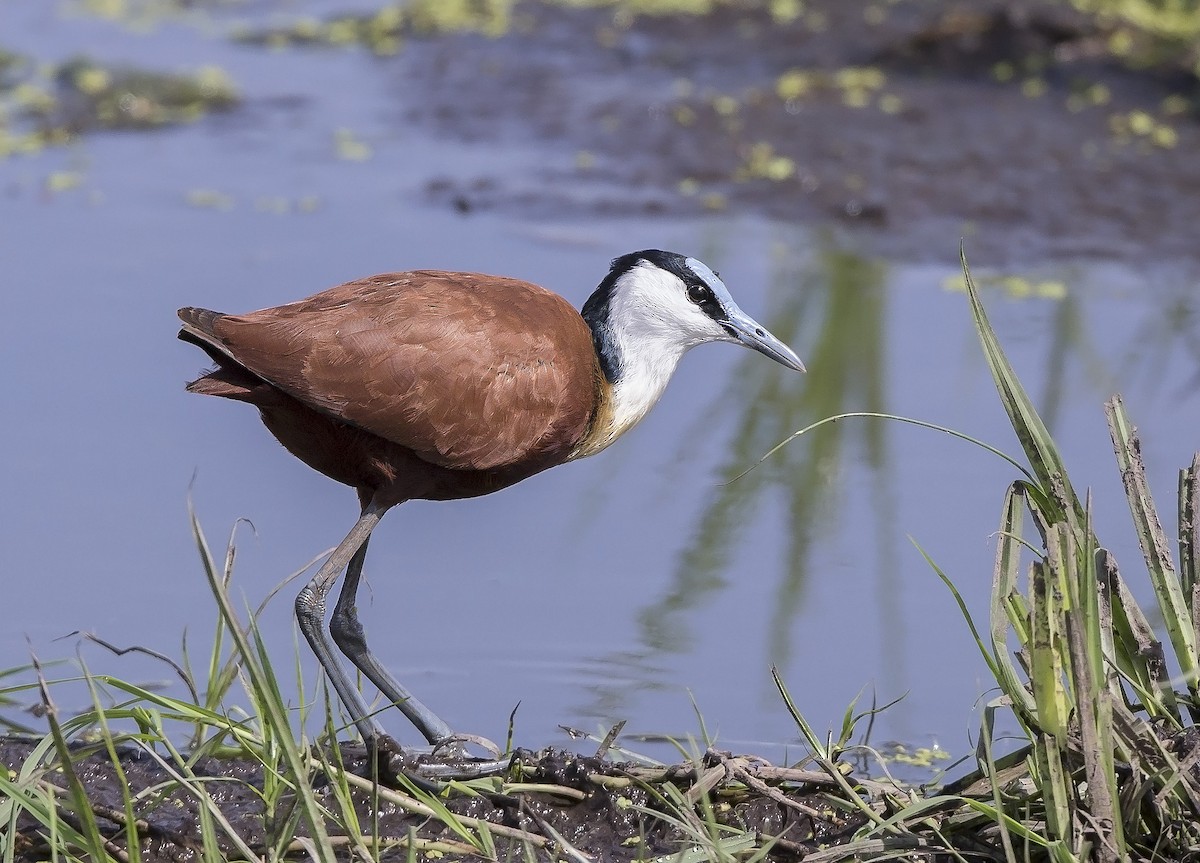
[(463, 769), (455, 746), (454, 761), (448, 760)]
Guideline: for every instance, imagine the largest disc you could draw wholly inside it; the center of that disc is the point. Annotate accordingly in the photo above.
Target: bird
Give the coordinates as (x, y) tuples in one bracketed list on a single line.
[(441, 385)]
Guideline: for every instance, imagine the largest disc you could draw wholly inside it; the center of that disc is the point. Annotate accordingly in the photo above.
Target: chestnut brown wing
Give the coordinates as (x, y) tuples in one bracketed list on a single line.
[(471, 372)]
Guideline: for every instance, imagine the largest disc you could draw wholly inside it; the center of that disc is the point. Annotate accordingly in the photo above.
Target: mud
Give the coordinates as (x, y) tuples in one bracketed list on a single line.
[(1010, 124), (607, 822)]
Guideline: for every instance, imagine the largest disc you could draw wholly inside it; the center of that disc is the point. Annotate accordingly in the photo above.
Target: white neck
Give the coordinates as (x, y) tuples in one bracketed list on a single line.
[(645, 344), (646, 368), (645, 371)]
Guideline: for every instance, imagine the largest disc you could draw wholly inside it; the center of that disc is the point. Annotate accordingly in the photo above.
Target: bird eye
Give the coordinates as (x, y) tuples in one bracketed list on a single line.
[(700, 294)]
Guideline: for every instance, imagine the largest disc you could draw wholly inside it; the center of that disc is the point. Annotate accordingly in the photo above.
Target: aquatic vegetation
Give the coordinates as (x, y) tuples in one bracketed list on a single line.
[(91, 95), (763, 163), (1174, 19), (1013, 286), (384, 30), (349, 147), (53, 106), (857, 86), (1142, 126), (144, 15)]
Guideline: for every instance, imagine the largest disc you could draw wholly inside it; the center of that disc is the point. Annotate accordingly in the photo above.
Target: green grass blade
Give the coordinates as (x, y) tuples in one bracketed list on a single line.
[(1139, 654), (1189, 529), (966, 614), (132, 840), (1052, 780), (1084, 620), (1007, 607), (986, 737), (1046, 670), (273, 712), (1044, 458), (882, 416), (40, 800), (1189, 538), (1168, 588), (88, 829)]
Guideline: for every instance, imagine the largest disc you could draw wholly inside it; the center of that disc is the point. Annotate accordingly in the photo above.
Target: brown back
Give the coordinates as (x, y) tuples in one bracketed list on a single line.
[(471, 372)]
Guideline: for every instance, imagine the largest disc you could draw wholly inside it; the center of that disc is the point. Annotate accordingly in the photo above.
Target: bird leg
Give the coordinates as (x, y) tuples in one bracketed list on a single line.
[(310, 614), (351, 638)]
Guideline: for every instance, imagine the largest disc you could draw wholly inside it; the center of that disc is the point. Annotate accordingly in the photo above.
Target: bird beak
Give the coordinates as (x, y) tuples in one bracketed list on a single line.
[(744, 329)]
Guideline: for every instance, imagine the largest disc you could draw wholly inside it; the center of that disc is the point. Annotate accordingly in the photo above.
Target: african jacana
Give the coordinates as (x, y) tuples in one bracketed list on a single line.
[(440, 385)]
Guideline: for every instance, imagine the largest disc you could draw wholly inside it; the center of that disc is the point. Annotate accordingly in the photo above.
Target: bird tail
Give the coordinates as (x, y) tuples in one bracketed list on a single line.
[(230, 379), (200, 322)]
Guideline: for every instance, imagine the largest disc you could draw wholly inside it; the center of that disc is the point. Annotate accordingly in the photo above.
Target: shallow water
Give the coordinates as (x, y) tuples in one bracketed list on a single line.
[(638, 585)]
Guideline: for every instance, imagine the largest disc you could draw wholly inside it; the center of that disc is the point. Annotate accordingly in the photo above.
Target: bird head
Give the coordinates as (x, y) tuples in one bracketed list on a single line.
[(656, 301)]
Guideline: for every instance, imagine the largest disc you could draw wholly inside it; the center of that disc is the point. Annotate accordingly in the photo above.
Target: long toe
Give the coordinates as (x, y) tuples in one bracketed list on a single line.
[(450, 760), (463, 769), (454, 746)]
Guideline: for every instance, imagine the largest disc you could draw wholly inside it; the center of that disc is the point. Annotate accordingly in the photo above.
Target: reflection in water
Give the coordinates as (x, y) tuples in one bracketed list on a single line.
[(1069, 337), (832, 306), (1175, 327)]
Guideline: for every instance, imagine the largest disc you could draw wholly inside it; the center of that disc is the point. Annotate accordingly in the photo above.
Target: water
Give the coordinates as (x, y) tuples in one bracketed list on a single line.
[(638, 585)]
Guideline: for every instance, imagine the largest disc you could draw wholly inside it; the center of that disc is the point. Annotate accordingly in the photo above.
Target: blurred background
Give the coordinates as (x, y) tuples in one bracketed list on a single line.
[(827, 157)]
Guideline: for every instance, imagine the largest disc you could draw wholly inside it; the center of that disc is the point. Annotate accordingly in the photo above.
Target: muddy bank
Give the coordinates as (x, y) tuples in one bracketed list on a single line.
[(1011, 124), (609, 811)]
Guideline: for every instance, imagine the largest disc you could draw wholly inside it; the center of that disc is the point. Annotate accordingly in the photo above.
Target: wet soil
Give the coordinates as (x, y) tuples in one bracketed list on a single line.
[(1011, 124), (601, 808)]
